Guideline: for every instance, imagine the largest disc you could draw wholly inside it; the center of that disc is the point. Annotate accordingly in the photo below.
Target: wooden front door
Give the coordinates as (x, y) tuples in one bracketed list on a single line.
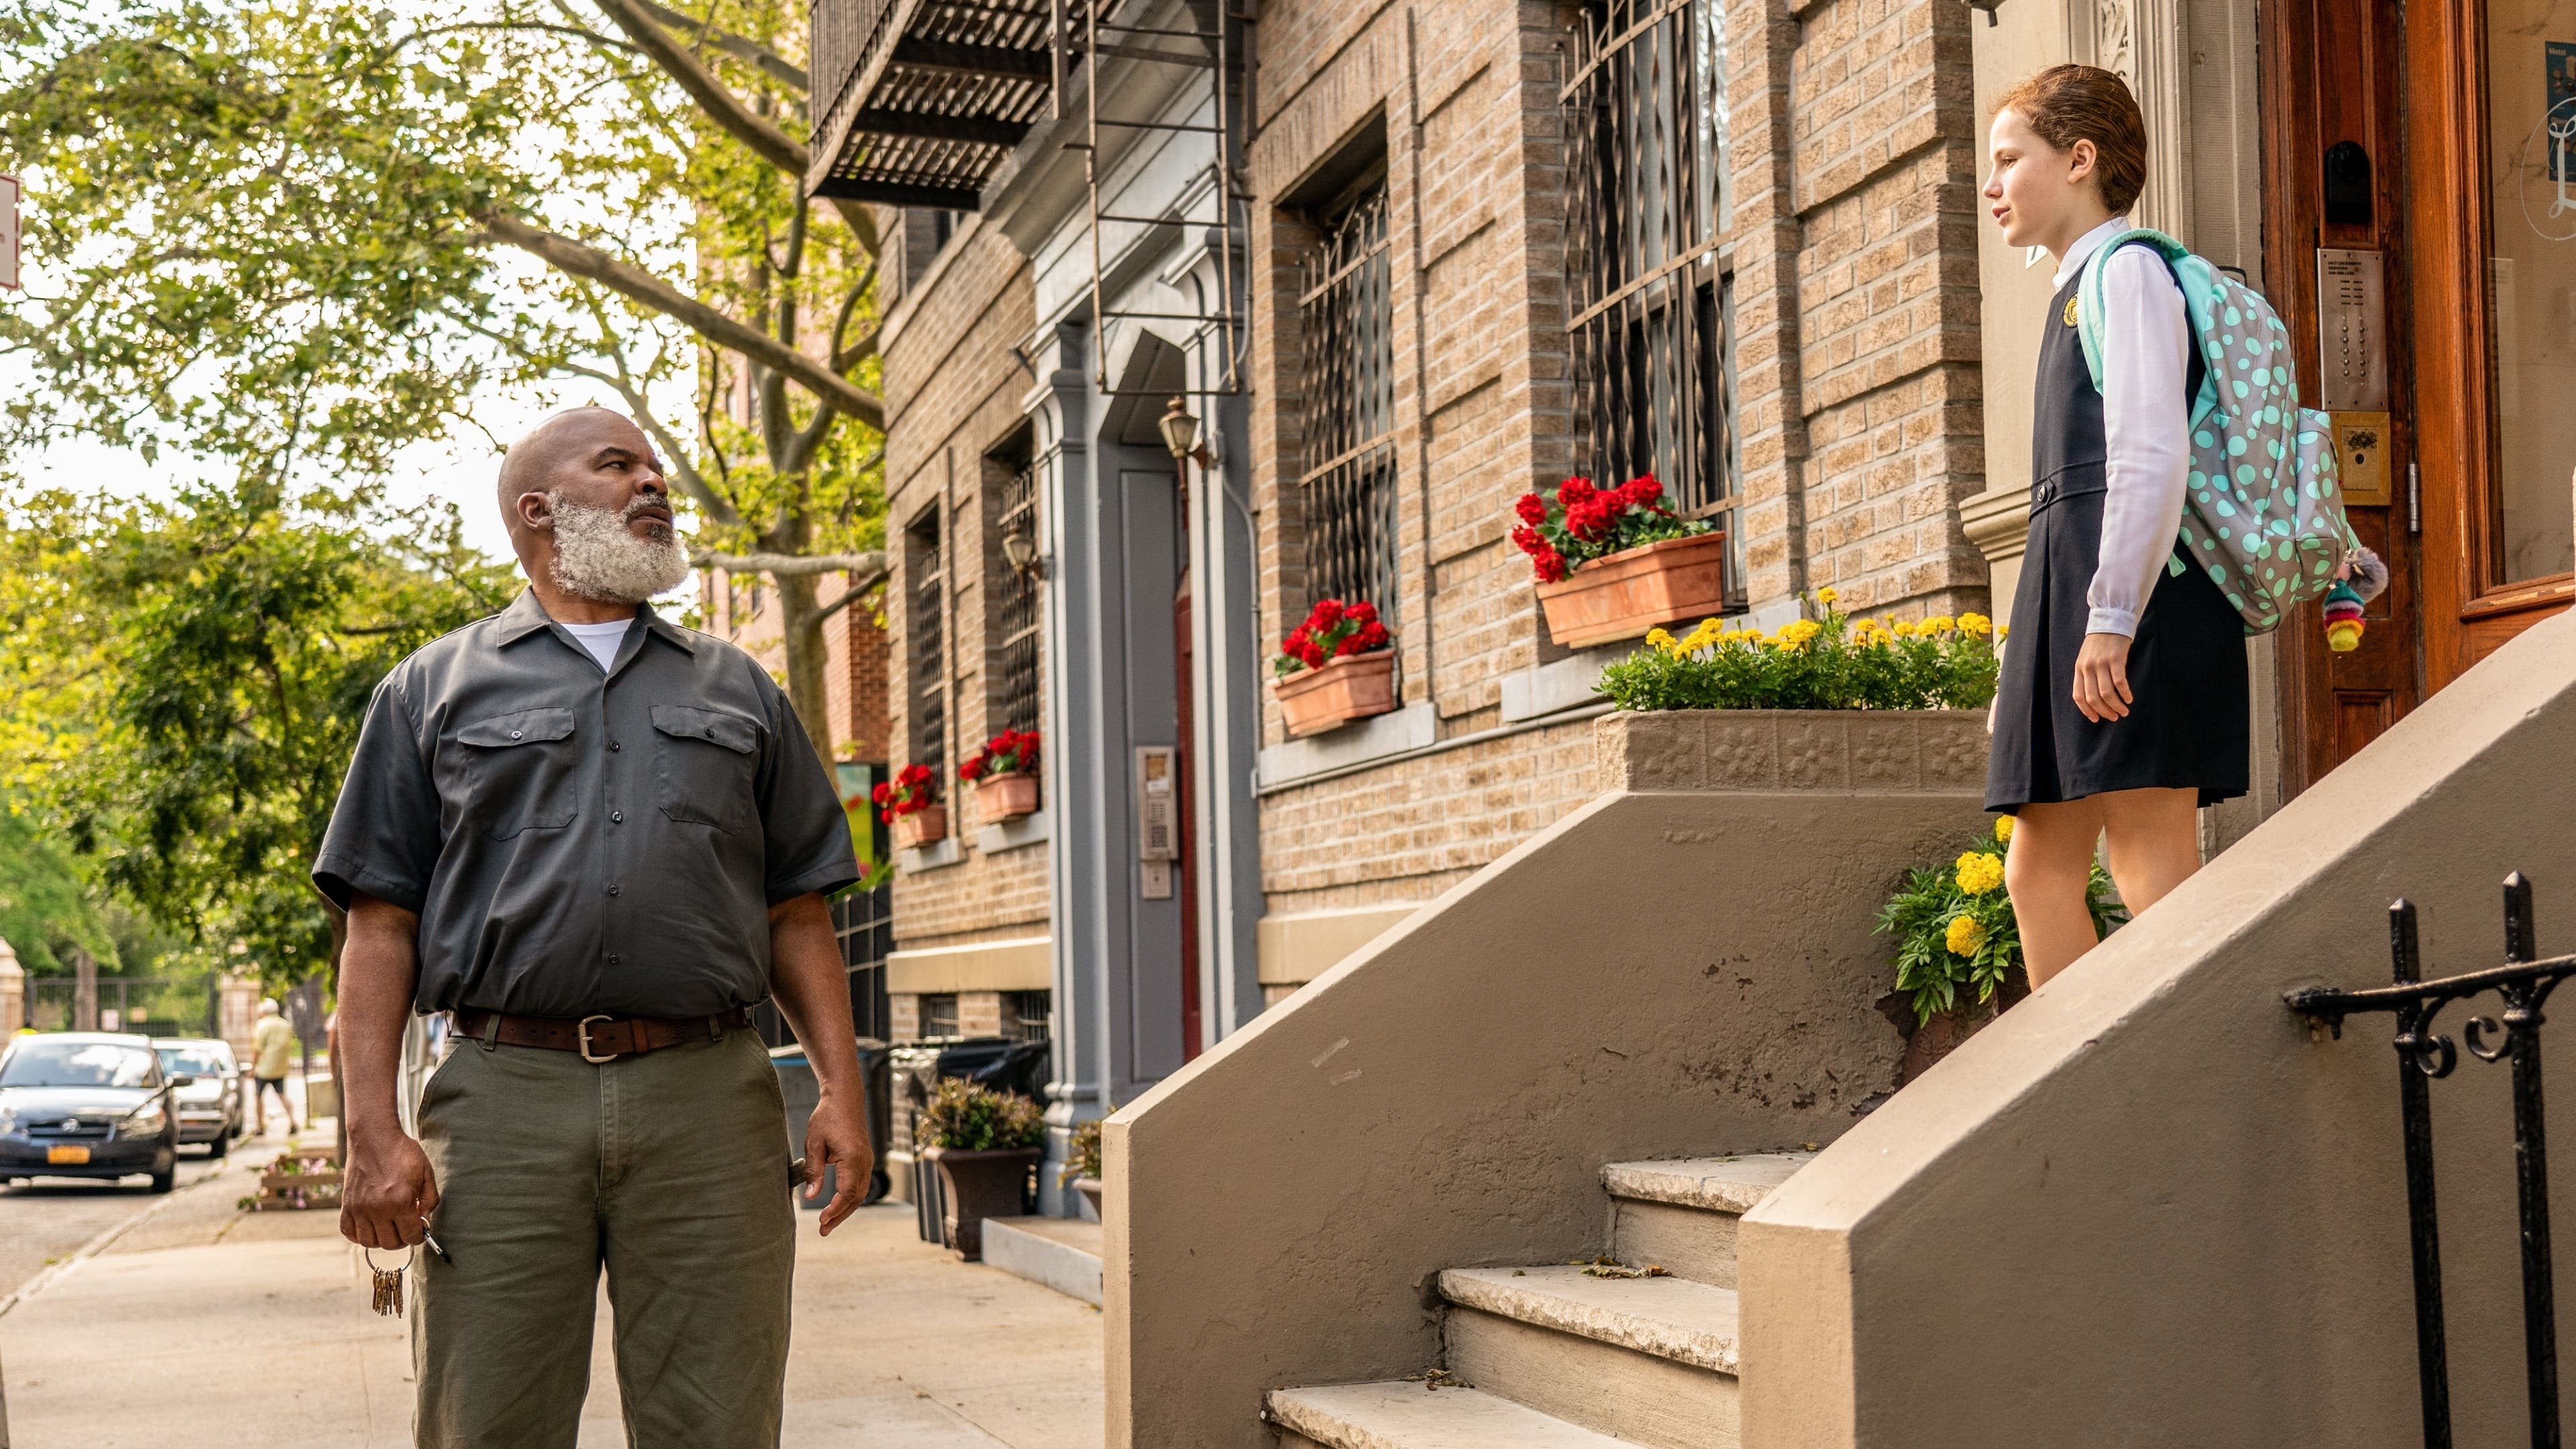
[(2434, 320)]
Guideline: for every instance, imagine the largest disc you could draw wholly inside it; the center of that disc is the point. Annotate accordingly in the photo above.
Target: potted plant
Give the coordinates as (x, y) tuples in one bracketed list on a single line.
[(1082, 1163), (983, 1143), (1958, 948), (1336, 667), (1612, 563), (1830, 662), (904, 802), (1005, 776)]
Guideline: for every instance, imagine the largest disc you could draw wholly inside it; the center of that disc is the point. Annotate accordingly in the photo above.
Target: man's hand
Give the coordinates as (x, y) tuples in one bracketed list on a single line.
[(2102, 677), (388, 1191), (837, 1136)]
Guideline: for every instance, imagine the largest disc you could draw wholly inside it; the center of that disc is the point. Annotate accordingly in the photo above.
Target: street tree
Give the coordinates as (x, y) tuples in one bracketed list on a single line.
[(294, 236), (186, 681)]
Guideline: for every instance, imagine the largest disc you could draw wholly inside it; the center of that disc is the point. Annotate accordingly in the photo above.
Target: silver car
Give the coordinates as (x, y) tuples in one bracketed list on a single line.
[(210, 1108)]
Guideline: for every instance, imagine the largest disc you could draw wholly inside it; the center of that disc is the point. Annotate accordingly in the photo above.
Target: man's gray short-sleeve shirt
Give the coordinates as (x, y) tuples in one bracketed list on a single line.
[(578, 842)]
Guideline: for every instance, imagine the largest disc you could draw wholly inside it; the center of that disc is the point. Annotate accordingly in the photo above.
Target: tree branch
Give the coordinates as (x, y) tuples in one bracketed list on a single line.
[(726, 109), (636, 285), (777, 67), (852, 597), (789, 565)]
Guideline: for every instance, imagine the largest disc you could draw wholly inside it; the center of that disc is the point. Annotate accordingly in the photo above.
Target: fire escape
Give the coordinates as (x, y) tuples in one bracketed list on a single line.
[(920, 102)]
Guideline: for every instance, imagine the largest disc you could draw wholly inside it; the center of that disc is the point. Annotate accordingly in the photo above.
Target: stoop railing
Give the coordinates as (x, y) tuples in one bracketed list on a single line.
[(2511, 1035)]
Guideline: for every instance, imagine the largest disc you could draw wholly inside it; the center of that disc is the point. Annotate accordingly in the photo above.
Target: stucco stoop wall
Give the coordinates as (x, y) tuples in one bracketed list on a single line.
[(1662, 974), (2162, 1210)]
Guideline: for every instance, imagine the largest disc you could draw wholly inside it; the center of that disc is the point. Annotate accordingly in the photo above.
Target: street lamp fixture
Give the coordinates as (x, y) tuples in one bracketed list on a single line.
[(1181, 435)]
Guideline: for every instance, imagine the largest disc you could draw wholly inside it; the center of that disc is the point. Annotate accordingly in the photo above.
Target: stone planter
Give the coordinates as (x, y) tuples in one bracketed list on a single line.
[(1632, 591), (979, 1185), (1858, 751), (925, 826), (1006, 797), (1090, 1187), (1345, 689), (1928, 1042)]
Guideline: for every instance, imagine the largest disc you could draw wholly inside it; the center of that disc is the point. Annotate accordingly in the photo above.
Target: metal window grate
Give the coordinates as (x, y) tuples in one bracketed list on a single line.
[(1347, 311), (1651, 301), (1016, 605), (926, 647)]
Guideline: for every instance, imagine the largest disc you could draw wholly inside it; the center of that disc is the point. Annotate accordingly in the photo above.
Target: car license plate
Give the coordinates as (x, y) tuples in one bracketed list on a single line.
[(67, 1156)]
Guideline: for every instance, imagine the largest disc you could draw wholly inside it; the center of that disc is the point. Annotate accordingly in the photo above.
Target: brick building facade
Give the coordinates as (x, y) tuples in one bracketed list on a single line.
[(1427, 246)]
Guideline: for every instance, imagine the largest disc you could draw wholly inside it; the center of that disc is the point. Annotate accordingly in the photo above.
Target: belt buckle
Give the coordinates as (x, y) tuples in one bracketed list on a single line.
[(584, 1040)]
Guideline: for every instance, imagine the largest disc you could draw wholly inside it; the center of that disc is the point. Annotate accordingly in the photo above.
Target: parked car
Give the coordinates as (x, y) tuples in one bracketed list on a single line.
[(87, 1104), (210, 1108)]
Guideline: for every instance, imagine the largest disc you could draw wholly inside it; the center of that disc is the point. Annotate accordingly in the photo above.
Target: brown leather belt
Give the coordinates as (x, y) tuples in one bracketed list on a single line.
[(599, 1038)]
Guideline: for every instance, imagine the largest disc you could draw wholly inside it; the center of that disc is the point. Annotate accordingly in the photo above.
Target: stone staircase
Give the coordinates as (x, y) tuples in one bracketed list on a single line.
[(1559, 1356)]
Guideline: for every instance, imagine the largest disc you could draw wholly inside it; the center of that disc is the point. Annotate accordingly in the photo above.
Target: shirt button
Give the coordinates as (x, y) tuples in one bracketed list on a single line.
[(514, 734), (616, 817), (612, 890), (615, 959), (614, 747)]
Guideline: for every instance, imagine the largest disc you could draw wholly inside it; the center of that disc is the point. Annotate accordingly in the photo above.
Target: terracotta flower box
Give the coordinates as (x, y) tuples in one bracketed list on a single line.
[(1626, 594), (979, 1185), (1005, 797), (1351, 687), (925, 826)]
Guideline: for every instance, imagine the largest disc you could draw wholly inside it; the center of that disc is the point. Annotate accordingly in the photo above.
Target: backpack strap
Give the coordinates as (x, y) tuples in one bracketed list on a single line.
[(2089, 305)]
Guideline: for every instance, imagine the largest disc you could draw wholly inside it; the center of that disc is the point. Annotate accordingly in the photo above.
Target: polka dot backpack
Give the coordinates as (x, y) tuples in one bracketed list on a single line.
[(2263, 513)]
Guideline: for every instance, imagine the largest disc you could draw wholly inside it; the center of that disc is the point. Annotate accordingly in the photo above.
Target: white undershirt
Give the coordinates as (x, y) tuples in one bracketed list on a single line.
[(2146, 424), (601, 639)]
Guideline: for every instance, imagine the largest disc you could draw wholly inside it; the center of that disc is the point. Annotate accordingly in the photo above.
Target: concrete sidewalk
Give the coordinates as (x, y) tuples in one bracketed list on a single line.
[(213, 1328)]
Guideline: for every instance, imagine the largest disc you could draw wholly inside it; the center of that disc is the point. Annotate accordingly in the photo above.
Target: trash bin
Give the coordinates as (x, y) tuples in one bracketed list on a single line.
[(992, 1061), (796, 1082)]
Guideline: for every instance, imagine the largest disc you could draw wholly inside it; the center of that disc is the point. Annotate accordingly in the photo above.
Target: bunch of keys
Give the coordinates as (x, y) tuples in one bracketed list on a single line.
[(388, 1300)]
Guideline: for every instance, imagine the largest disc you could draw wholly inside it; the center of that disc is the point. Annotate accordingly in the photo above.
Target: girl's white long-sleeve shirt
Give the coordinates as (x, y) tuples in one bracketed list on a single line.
[(2146, 425)]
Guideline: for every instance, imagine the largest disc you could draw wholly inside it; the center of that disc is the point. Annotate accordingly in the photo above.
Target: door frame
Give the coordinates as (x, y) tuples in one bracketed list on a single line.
[(2446, 142)]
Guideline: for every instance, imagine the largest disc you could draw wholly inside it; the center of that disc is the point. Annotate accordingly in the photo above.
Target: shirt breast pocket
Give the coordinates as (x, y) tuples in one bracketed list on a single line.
[(520, 771), (703, 764)]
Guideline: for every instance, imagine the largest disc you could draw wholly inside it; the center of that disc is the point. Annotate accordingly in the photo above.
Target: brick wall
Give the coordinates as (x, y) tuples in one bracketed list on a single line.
[(953, 388)]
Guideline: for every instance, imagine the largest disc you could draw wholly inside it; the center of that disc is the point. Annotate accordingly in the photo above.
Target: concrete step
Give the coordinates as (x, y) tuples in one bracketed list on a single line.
[(1406, 1414), (1648, 1360), (1061, 1253), (1681, 1215)]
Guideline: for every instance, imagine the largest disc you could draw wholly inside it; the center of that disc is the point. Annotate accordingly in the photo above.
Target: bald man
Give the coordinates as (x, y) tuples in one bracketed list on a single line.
[(596, 840)]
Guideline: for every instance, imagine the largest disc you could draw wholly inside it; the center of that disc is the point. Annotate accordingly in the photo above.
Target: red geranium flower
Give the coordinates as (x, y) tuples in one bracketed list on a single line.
[(1532, 508)]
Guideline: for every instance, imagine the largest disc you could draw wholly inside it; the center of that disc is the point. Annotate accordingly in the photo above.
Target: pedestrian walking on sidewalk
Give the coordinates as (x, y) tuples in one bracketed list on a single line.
[(2123, 706), (272, 1046), (598, 840)]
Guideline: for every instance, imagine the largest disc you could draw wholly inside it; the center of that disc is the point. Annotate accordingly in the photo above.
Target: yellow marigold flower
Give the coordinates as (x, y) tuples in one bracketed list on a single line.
[(1826, 595), (1967, 935), (1798, 631), (2004, 828), (2002, 630), (1905, 629), (1977, 624), (1939, 624), (1980, 871)]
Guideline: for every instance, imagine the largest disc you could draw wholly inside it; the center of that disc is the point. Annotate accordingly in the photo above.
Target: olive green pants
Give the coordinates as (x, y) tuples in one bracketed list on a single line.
[(669, 1170)]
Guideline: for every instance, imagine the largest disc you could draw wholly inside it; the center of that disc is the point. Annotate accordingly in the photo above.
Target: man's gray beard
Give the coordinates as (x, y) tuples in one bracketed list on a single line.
[(598, 557)]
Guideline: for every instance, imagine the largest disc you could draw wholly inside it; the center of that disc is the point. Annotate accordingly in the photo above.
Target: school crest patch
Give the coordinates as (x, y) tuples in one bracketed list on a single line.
[(2070, 311)]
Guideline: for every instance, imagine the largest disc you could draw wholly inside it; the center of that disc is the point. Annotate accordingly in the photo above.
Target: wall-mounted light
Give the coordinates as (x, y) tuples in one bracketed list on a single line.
[(1988, 6), (1181, 435), (1021, 552)]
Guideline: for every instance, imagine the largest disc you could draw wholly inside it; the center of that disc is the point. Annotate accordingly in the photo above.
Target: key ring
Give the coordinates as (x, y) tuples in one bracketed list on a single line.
[(388, 1298)]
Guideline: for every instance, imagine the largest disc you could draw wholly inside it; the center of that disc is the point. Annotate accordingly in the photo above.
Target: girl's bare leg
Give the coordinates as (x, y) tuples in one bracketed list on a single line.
[(2047, 868), (2151, 839)]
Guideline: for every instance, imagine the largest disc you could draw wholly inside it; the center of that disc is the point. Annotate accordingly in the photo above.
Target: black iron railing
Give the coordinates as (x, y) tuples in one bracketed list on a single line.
[(1346, 309), (2510, 1035)]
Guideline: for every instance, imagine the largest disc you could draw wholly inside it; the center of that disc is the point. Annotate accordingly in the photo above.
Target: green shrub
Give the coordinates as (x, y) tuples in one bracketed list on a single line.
[(1082, 1157), (1828, 663), (964, 1117)]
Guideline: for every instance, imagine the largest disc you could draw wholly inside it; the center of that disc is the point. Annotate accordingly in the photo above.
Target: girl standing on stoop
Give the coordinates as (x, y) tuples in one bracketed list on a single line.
[(2123, 704)]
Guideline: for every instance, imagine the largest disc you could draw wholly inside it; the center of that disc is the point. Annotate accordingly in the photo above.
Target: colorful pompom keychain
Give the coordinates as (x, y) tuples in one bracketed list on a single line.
[(2363, 578)]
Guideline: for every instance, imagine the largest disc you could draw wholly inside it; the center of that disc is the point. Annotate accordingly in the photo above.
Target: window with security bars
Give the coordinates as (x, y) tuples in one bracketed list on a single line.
[(1013, 615), (926, 645), (1347, 313), (1651, 302)]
